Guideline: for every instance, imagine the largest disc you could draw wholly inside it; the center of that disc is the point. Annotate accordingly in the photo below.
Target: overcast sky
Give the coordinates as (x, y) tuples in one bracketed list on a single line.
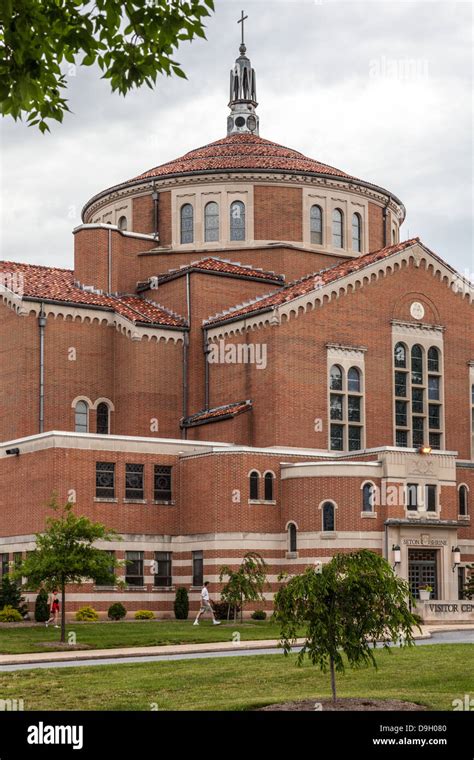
[(382, 90)]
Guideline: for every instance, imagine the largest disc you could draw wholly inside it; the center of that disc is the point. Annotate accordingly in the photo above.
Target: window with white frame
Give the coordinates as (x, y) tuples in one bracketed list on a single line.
[(463, 501), (316, 225), (186, 223), (237, 220), (356, 232), (211, 222), (338, 228), (81, 417)]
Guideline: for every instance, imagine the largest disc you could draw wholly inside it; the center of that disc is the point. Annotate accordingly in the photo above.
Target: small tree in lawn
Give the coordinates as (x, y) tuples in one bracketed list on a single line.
[(345, 607), (65, 554), (245, 584), (42, 606), (10, 595)]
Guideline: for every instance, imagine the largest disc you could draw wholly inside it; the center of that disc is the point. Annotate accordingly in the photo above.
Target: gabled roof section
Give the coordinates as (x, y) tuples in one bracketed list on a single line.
[(216, 414), (50, 284), (215, 266), (310, 282)]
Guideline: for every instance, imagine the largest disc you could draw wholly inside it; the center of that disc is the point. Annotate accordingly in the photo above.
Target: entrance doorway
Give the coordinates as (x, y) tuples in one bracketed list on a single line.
[(423, 570)]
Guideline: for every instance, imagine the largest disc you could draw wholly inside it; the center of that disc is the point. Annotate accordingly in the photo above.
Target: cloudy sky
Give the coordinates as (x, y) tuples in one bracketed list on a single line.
[(382, 90)]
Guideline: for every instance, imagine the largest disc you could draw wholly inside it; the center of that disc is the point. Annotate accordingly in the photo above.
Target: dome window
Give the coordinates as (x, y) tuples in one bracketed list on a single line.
[(337, 228), (316, 225), (122, 223), (237, 221), (211, 222), (356, 233), (187, 223)]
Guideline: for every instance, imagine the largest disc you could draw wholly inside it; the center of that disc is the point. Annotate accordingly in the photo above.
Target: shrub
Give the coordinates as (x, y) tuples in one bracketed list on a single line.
[(259, 615), (42, 607), (144, 615), (221, 609), (87, 613), (116, 611), (10, 596), (10, 615), (181, 604)]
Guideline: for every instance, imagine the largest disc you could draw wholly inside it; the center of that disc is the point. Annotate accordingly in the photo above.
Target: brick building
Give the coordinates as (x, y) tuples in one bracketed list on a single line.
[(244, 357)]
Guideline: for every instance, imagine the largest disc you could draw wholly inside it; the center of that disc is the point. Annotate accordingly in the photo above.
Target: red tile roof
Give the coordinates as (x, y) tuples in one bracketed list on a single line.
[(215, 265), (241, 151), (53, 284), (217, 413), (308, 283)]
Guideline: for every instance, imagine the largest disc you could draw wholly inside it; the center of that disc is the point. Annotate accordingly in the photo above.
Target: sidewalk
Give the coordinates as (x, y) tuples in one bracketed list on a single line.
[(220, 646)]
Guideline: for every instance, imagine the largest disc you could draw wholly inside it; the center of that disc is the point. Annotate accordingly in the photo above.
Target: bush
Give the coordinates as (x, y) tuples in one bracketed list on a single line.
[(221, 609), (10, 596), (88, 614), (259, 615), (144, 615), (181, 604), (10, 615), (42, 611), (116, 611)]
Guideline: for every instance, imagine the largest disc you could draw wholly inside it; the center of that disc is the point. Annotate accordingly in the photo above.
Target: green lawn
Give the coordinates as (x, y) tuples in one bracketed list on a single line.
[(429, 675), (121, 634)]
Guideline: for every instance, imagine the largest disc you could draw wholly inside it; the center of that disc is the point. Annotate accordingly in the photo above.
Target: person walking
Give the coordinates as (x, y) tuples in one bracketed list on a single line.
[(206, 606), (54, 610)]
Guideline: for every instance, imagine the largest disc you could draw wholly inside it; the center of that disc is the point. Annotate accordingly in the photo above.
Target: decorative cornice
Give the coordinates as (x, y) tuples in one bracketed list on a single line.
[(336, 351), (410, 328)]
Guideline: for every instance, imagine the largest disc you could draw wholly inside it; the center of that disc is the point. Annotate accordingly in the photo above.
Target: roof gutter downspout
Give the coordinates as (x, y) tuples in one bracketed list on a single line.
[(156, 212), (206, 369), (109, 264), (184, 432), (42, 329)]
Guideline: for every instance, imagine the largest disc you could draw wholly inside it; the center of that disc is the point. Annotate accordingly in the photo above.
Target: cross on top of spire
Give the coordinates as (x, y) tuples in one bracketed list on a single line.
[(242, 20)]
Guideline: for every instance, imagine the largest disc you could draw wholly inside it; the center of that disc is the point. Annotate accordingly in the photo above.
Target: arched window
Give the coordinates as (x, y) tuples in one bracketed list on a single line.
[(394, 235), (254, 478), (211, 222), (268, 486), (328, 517), (237, 221), (337, 228), (292, 538), (433, 359), (353, 380), (122, 223), (103, 419), (417, 365), (400, 355), (81, 417), (463, 505), (187, 223), (335, 378), (368, 497), (316, 225), (356, 232)]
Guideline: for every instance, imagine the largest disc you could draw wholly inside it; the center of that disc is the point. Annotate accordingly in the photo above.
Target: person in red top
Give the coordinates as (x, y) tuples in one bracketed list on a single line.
[(54, 610)]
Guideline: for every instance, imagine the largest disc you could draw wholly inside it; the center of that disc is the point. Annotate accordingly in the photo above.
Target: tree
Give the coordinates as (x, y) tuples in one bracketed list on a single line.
[(181, 604), (346, 606), (132, 42), (468, 590), (41, 606), (10, 596), (65, 554), (245, 584)]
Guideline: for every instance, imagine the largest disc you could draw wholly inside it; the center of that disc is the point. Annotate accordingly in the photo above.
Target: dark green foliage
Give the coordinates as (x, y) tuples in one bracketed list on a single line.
[(222, 611), (245, 584), (181, 604), (132, 42), (116, 611), (10, 596), (468, 590), (42, 611), (259, 615)]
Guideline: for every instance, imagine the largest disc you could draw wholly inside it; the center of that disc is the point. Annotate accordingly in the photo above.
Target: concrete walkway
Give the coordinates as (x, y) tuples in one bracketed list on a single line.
[(218, 647)]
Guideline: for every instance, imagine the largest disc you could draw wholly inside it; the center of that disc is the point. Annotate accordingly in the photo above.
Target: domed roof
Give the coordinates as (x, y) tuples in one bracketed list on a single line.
[(238, 152)]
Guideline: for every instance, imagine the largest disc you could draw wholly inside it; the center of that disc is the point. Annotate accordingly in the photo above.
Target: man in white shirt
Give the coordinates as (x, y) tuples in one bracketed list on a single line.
[(205, 606)]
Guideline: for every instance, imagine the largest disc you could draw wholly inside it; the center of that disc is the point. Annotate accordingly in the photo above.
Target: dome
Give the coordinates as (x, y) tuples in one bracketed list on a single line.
[(240, 152)]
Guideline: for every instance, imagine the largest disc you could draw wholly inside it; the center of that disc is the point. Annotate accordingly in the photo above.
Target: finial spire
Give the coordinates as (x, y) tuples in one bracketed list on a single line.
[(243, 91)]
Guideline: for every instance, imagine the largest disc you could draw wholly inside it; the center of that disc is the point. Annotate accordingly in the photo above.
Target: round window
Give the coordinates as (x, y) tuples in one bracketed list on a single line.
[(240, 121)]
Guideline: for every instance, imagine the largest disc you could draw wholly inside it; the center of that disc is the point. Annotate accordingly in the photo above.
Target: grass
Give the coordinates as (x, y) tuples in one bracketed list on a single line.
[(121, 634), (431, 675)]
